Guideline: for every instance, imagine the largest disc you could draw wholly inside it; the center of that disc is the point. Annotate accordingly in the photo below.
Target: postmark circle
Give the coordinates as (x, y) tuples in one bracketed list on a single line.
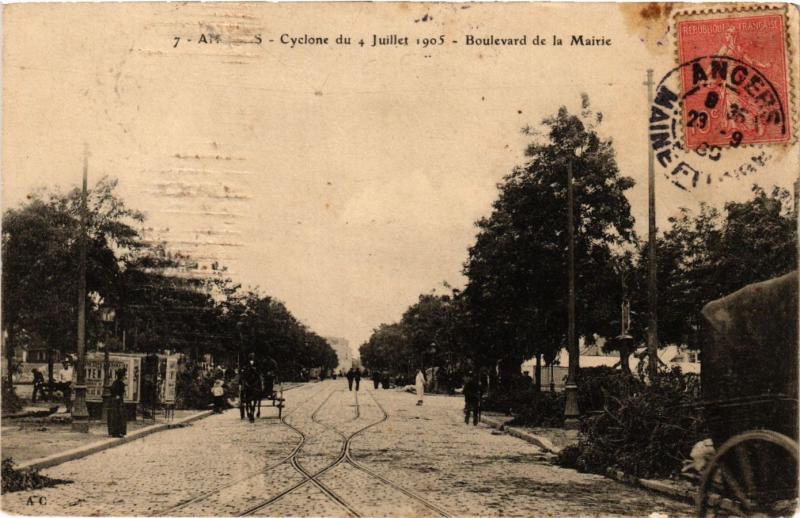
[(724, 103)]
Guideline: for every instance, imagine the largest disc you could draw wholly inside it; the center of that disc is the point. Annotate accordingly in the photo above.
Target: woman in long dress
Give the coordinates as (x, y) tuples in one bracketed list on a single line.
[(420, 386), (117, 418)]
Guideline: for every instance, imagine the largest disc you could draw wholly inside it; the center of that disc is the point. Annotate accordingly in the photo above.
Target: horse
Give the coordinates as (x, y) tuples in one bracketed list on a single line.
[(250, 388), (257, 383)]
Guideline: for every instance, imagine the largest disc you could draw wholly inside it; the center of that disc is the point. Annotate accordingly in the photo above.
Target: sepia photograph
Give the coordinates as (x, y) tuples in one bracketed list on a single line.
[(399, 259)]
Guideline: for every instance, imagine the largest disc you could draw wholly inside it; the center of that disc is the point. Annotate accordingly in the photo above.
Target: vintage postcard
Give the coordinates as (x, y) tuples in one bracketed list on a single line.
[(399, 259)]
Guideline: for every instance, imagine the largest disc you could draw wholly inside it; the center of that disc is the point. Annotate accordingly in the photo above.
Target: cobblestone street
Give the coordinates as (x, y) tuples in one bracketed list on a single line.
[(369, 453)]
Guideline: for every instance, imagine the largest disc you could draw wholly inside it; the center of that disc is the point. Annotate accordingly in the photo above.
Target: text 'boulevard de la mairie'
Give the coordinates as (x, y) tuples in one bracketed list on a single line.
[(575, 40)]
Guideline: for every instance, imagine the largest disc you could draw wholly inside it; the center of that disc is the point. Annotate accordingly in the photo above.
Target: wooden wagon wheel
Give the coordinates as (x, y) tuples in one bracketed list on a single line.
[(752, 474)]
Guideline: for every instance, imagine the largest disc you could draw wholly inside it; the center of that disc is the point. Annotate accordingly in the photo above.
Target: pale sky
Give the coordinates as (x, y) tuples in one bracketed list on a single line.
[(345, 181)]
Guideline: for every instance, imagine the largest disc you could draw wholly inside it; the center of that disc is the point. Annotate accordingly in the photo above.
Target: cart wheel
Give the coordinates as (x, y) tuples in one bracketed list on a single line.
[(752, 474)]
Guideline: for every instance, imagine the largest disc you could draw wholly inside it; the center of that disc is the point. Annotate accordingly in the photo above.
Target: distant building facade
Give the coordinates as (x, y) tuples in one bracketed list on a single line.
[(343, 352)]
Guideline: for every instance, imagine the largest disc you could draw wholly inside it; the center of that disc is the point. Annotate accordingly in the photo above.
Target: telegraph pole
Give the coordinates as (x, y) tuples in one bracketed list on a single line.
[(652, 286), (571, 410), (80, 414)]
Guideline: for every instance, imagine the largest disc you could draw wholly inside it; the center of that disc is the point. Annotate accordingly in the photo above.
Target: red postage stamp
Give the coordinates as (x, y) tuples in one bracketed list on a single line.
[(734, 80)]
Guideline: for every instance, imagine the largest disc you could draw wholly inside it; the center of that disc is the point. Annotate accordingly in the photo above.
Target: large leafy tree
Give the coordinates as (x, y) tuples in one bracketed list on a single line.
[(517, 268), (387, 350), (264, 326), (706, 255), (430, 329), (759, 237), (155, 307), (429, 335), (319, 353), (159, 311), (40, 262)]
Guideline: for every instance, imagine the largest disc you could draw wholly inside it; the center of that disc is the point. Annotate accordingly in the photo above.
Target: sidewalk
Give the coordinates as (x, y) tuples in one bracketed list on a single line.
[(35, 443), (553, 440)]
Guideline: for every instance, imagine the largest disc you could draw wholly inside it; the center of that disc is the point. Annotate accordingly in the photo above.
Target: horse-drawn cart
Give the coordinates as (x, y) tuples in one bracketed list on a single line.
[(749, 382), (278, 401), (256, 383)]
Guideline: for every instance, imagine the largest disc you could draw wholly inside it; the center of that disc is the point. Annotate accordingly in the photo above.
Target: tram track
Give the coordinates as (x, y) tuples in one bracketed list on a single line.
[(345, 457), (204, 496), (312, 478), (388, 482)]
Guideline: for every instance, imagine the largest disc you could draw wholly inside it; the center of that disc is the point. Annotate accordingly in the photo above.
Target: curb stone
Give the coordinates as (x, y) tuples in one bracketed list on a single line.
[(688, 494), (536, 440), (494, 423), (542, 442), (83, 451), (657, 486)]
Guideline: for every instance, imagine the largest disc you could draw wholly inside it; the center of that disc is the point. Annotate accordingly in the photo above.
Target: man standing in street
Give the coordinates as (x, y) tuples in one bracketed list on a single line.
[(218, 394), (357, 377), (472, 398), (117, 420), (65, 383), (420, 386), (38, 385), (350, 376)]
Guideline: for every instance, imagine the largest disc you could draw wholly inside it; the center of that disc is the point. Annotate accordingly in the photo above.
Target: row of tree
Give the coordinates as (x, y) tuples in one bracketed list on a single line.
[(155, 307), (428, 335), (514, 306)]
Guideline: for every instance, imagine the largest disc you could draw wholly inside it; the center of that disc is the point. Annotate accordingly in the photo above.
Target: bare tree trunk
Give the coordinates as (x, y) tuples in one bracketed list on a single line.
[(624, 355), (10, 356), (538, 379)]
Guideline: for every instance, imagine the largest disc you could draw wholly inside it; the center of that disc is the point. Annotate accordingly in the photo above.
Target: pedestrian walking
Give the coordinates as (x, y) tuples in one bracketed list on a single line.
[(117, 419), (472, 398), (65, 383), (38, 385), (218, 392), (376, 379), (357, 378), (350, 377), (420, 386)]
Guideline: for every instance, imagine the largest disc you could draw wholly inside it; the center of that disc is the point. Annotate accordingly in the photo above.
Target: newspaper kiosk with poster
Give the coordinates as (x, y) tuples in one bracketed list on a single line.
[(167, 383), (159, 383), (131, 363)]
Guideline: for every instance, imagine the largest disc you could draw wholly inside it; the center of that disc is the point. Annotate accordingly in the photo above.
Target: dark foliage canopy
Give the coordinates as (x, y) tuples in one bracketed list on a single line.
[(155, 308), (517, 268)]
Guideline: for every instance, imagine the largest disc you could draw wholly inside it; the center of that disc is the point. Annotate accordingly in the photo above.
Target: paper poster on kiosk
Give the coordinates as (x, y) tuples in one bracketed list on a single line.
[(167, 378), (94, 376)]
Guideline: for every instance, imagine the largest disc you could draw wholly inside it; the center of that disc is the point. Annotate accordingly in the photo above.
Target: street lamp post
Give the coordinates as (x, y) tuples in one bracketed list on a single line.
[(652, 280), (80, 414), (571, 410)]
